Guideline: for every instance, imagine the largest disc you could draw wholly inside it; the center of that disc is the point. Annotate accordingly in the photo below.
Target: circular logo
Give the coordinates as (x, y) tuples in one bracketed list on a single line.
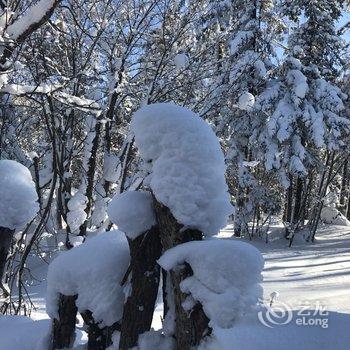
[(276, 315)]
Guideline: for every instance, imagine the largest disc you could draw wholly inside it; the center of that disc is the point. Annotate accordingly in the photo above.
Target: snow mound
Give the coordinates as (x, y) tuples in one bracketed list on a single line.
[(93, 270), (22, 333), (331, 215), (132, 212), (226, 276), (17, 195), (186, 165)]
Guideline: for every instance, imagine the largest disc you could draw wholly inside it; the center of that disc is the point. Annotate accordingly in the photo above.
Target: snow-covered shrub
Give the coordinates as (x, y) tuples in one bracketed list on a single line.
[(225, 280), (93, 271), (18, 198), (186, 165), (132, 212), (331, 215)]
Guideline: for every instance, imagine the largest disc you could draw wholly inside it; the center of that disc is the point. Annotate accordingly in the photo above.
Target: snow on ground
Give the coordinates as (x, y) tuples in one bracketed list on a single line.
[(22, 333), (308, 272), (304, 276)]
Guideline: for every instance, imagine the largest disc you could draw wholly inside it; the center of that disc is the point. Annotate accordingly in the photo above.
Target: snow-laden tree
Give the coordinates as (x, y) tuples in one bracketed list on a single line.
[(305, 105), (240, 122)]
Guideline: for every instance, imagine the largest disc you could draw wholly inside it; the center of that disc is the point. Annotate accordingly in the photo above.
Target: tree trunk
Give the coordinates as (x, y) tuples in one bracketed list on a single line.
[(145, 276), (238, 217), (6, 235), (298, 201), (288, 207), (191, 327), (344, 192), (64, 327)]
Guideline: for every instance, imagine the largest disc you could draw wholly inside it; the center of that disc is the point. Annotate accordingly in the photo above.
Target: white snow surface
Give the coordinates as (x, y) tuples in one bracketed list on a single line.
[(17, 195), (132, 212), (186, 165), (22, 333), (93, 270), (226, 277)]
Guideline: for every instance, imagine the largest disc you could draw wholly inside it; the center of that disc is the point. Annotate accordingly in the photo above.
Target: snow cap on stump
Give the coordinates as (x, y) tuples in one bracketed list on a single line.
[(93, 271), (186, 165), (226, 277), (132, 212), (18, 198)]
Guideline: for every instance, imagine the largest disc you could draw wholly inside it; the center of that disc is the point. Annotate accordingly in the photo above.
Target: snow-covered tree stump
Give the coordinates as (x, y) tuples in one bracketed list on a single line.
[(186, 167), (87, 279), (63, 328), (145, 275), (133, 212), (191, 327)]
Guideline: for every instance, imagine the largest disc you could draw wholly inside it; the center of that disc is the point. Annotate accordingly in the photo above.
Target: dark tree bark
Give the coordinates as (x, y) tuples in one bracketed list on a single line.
[(100, 338), (91, 176), (6, 235), (344, 191), (289, 206), (64, 328), (145, 276), (191, 327), (298, 199)]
